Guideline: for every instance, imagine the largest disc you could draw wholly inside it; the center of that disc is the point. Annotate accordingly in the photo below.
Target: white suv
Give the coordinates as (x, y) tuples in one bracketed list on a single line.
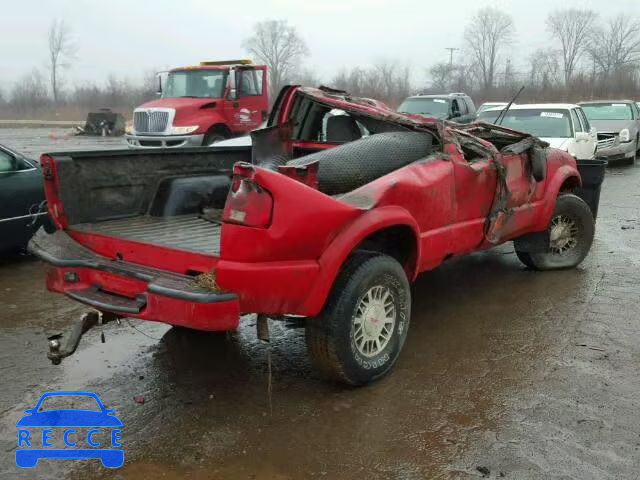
[(562, 125)]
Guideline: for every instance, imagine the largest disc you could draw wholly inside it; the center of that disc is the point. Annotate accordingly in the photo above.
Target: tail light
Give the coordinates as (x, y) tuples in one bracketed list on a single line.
[(51, 188), (248, 204)]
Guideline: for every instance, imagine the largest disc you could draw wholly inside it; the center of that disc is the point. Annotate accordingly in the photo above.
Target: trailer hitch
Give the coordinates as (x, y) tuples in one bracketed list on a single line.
[(63, 344)]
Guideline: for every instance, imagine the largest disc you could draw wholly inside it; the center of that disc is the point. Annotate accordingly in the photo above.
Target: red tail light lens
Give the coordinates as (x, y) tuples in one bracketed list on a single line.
[(248, 204)]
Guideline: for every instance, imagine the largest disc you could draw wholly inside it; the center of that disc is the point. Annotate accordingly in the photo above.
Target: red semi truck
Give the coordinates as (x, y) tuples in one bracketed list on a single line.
[(326, 219), (201, 105)]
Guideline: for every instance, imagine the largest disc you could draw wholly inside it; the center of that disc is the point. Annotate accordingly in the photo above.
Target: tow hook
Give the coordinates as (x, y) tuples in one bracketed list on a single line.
[(63, 344)]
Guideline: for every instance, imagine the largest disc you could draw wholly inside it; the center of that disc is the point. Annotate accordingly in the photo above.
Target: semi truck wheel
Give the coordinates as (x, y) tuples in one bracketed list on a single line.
[(359, 334), (211, 138), (568, 238)]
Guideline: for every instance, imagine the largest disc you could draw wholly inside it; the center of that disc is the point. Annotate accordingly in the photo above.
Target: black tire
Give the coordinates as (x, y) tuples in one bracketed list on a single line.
[(525, 258), (335, 343), (213, 137), (573, 217), (347, 167)]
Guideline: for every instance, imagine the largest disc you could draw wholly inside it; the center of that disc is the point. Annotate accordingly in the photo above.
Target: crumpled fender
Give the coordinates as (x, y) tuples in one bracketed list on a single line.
[(560, 176), (347, 240)]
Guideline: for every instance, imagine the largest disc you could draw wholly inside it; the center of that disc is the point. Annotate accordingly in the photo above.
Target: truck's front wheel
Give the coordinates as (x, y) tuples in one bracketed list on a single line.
[(212, 138), (362, 328), (567, 240)]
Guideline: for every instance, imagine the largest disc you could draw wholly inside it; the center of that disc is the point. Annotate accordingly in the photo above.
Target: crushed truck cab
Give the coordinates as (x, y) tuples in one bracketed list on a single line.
[(336, 208)]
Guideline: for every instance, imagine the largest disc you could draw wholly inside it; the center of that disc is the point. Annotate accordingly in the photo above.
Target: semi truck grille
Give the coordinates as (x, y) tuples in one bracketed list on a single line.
[(153, 121), (606, 140)]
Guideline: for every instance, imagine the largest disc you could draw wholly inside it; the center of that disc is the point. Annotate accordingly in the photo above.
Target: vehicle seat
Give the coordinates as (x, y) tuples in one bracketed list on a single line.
[(217, 87), (201, 88), (342, 129)]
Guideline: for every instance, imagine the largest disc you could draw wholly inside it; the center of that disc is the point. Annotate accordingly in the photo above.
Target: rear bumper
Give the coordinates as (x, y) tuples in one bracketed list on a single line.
[(131, 290), (164, 141)]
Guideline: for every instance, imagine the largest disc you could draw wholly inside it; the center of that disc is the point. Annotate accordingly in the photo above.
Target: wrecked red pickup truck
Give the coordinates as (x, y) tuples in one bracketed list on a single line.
[(331, 214)]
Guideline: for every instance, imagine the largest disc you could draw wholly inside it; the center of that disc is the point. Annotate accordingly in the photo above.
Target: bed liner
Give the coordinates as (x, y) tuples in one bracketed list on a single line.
[(191, 233)]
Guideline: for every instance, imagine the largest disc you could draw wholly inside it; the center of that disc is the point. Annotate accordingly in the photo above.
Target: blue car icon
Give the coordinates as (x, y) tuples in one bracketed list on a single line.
[(65, 421)]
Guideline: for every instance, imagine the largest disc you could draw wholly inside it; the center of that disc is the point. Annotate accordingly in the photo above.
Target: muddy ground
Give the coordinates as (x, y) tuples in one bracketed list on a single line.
[(506, 373)]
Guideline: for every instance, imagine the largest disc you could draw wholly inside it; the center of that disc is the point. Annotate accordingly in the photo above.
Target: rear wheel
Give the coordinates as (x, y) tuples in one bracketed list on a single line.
[(567, 240), (359, 334)]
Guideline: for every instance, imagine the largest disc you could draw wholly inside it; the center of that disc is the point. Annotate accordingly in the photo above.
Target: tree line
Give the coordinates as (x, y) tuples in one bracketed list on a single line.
[(587, 56)]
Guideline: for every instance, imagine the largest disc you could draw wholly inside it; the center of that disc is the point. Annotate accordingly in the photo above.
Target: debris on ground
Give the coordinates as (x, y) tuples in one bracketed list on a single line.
[(103, 123), (139, 399), (597, 349), (208, 281), (484, 471)]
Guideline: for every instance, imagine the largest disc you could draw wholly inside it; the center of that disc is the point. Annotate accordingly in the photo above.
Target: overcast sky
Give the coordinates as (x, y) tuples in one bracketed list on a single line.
[(129, 37)]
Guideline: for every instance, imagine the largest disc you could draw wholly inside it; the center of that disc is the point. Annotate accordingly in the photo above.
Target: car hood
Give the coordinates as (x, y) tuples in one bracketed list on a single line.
[(69, 418), (612, 125), (559, 143), (180, 103)]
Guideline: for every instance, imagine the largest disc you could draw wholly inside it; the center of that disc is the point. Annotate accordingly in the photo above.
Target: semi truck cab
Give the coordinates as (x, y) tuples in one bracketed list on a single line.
[(201, 105)]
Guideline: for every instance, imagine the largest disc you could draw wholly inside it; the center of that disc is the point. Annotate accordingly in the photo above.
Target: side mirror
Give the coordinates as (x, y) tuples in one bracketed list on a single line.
[(159, 91), (232, 95), (582, 137), (538, 158), (593, 131)]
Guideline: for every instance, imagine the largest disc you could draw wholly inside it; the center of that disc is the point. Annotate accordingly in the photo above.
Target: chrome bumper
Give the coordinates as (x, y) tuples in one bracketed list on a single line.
[(164, 141)]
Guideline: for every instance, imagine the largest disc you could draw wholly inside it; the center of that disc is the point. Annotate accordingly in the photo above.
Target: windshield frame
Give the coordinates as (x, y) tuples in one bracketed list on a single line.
[(186, 93), (587, 107)]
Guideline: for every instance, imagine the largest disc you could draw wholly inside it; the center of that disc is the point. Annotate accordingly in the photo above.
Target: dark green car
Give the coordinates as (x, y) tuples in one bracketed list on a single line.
[(21, 195)]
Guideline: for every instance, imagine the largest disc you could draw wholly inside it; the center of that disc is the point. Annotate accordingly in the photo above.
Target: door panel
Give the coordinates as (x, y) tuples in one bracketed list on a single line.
[(475, 190), (252, 106), (515, 210), (20, 193), (581, 149)]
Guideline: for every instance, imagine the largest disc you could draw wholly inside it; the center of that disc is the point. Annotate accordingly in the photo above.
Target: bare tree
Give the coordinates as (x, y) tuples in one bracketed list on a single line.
[(616, 47), (544, 68), (387, 81), (29, 93), (279, 46), (306, 77), (61, 50), (572, 28), (488, 33)]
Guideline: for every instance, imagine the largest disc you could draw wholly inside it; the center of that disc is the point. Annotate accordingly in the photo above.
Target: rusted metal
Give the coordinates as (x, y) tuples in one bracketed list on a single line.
[(64, 344), (262, 328)]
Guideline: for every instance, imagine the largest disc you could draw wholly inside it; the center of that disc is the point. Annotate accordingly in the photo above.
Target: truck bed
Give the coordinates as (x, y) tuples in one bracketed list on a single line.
[(183, 232)]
